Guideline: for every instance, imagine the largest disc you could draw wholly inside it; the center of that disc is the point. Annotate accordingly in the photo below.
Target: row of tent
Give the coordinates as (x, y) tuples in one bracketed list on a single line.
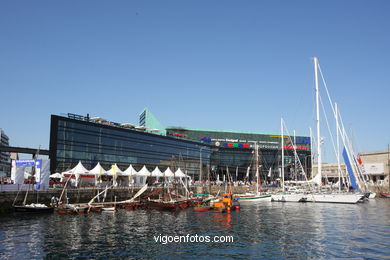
[(79, 172)]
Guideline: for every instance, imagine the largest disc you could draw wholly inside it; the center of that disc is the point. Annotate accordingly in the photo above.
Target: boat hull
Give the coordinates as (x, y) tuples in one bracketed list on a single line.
[(335, 198), (253, 199), (385, 195), (289, 198), (33, 209)]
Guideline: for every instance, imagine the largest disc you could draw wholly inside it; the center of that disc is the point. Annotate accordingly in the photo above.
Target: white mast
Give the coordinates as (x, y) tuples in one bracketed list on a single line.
[(319, 156), (338, 144), (282, 143), (311, 154), (257, 168)]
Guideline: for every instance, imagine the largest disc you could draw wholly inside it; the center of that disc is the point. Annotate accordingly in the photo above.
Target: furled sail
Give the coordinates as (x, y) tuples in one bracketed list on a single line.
[(349, 169)]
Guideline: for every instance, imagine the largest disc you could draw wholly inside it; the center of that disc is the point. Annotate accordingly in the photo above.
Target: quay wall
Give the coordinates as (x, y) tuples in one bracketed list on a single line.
[(82, 195)]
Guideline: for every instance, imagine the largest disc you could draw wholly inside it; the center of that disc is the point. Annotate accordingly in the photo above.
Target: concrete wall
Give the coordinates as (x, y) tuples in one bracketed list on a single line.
[(7, 198)]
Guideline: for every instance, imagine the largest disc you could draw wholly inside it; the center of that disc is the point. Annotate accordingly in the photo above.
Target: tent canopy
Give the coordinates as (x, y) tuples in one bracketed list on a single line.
[(168, 173), (130, 171), (98, 169), (118, 171), (56, 175), (143, 172), (180, 174), (157, 173)]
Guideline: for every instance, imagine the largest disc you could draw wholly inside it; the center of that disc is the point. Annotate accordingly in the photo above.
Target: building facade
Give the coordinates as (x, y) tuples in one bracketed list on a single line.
[(202, 152), (376, 166), (233, 151), (5, 161), (90, 140)]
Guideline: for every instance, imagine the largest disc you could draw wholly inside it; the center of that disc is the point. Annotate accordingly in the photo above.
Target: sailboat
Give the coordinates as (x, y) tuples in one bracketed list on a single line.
[(252, 198), (287, 196), (339, 197), (33, 207)]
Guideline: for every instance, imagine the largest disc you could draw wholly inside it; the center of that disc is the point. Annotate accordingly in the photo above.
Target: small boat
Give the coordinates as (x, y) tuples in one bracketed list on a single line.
[(163, 205), (385, 195), (34, 208), (253, 198), (109, 209), (370, 195), (225, 204), (70, 209)]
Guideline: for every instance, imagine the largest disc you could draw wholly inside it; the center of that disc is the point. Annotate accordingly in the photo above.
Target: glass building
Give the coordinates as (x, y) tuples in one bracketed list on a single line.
[(233, 151), (91, 140), (217, 152)]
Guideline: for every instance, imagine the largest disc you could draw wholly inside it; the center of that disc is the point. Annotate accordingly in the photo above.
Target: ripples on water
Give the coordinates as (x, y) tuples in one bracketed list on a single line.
[(266, 230)]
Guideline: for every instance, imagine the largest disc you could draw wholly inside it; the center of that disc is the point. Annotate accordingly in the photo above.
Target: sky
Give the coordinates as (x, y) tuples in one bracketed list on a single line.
[(232, 65)]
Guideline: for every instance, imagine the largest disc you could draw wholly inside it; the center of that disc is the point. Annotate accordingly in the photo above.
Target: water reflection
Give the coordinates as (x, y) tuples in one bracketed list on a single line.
[(266, 230)]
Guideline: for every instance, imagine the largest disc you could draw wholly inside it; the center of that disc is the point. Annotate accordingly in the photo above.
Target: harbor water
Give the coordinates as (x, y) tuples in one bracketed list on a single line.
[(267, 230)]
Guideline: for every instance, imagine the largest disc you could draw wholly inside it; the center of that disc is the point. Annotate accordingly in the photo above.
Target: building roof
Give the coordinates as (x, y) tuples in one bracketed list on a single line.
[(221, 131)]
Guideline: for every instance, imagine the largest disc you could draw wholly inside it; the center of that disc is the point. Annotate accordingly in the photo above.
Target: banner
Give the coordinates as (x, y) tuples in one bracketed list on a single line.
[(45, 174), (38, 165)]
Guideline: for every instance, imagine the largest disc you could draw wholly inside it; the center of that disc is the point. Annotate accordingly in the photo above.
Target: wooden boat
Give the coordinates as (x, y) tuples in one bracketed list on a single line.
[(70, 209), (163, 205), (385, 195), (131, 205), (33, 208)]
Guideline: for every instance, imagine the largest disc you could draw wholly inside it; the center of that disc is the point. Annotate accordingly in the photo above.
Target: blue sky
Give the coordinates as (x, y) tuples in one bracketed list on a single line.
[(236, 65)]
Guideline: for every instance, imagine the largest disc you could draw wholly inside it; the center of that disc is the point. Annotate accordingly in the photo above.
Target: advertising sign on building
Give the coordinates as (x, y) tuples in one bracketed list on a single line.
[(374, 168)]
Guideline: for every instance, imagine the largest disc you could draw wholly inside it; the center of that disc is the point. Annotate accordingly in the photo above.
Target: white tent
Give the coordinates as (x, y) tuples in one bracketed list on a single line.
[(157, 173), (115, 171), (56, 175), (168, 174), (130, 172), (98, 171), (143, 172), (180, 174), (80, 172), (118, 171), (142, 175)]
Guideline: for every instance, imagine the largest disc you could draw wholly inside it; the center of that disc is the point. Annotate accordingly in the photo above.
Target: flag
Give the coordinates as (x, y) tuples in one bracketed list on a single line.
[(100, 175), (114, 173), (359, 159)]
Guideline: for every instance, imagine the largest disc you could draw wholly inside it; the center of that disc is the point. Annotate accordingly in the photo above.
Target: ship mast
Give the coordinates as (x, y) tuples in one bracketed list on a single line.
[(319, 160)]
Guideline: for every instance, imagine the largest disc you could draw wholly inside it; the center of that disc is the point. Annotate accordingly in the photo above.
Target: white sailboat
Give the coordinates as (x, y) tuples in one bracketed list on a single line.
[(287, 196), (251, 198), (334, 197)]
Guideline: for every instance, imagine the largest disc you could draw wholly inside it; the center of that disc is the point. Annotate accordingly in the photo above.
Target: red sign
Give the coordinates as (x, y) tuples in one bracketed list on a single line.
[(298, 147)]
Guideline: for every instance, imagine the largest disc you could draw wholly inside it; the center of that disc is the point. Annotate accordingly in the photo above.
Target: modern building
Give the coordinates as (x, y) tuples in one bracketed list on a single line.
[(90, 140), (204, 152), (5, 161)]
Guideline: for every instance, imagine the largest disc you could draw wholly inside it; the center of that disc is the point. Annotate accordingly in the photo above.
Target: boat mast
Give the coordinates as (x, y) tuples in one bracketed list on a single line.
[(257, 168), (319, 156), (282, 147), (338, 144)]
